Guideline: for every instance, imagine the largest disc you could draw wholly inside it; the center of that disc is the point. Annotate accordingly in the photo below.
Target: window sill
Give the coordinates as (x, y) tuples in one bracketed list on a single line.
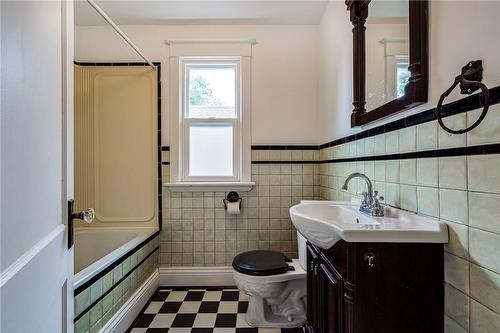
[(209, 186)]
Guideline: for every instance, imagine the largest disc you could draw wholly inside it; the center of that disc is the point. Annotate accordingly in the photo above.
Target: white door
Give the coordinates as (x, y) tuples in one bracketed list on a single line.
[(36, 166)]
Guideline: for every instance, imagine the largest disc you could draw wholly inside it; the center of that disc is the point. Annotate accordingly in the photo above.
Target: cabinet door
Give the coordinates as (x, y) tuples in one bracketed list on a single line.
[(329, 310), (313, 291)]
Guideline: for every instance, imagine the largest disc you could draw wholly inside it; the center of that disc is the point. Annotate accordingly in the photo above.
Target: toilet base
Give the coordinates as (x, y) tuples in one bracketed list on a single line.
[(286, 309)]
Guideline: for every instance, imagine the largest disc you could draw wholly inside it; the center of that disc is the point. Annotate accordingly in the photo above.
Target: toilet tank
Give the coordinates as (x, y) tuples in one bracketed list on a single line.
[(301, 242)]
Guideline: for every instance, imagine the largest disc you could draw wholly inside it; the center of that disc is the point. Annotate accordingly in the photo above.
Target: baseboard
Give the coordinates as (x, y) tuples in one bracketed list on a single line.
[(196, 276), (122, 319)]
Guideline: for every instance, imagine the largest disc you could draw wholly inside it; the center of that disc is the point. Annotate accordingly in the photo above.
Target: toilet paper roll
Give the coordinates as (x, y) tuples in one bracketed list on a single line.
[(233, 208)]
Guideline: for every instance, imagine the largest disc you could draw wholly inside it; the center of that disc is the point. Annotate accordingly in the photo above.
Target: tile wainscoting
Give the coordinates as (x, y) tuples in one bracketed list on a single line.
[(462, 190), (198, 232), (98, 301)]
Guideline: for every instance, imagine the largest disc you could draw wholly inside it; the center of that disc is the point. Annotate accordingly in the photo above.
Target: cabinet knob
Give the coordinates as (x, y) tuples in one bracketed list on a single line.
[(370, 258)]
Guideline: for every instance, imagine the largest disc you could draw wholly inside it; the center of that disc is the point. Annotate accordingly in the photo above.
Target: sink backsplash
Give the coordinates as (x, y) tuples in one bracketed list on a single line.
[(428, 171)]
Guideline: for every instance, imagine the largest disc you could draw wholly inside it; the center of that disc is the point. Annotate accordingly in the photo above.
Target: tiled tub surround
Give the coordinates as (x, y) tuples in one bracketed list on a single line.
[(198, 232), (463, 191), (99, 299)]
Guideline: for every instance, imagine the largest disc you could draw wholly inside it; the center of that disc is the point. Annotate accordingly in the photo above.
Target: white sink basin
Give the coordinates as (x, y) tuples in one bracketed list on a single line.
[(324, 223)]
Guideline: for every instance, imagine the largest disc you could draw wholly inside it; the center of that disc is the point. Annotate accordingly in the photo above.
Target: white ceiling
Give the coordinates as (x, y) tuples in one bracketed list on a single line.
[(136, 12)]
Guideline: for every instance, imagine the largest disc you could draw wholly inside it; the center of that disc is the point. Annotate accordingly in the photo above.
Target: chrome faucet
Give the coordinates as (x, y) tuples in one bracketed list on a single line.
[(371, 201)]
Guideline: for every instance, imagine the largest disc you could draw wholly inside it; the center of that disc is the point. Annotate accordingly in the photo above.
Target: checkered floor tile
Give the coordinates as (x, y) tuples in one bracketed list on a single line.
[(208, 310)]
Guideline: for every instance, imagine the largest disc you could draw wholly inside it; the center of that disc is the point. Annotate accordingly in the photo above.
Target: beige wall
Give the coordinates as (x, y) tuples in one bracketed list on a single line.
[(335, 75), (284, 71), (451, 46)]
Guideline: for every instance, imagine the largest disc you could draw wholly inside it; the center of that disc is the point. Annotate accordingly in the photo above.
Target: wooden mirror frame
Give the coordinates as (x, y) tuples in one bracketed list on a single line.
[(417, 88)]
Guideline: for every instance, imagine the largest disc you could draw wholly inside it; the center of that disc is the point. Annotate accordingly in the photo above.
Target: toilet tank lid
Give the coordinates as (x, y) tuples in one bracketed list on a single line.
[(261, 263)]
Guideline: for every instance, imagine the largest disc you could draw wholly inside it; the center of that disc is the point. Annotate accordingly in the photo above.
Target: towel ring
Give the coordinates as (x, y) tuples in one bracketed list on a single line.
[(470, 81)]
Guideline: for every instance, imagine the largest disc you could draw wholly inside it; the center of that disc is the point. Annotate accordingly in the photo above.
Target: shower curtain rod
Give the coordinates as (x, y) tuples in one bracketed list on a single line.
[(119, 31)]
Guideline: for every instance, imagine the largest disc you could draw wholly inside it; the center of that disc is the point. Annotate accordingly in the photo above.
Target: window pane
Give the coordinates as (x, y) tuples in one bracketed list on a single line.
[(211, 150), (212, 92)]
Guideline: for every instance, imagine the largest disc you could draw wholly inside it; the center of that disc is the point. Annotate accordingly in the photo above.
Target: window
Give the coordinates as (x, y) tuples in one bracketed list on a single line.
[(402, 74), (211, 108), (213, 147)]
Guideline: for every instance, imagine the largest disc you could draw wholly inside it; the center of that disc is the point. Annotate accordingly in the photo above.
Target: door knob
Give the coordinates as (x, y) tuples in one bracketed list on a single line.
[(87, 215)]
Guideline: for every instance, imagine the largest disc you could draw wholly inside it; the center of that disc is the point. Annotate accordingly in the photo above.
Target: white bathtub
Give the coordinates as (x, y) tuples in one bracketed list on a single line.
[(97, 248)]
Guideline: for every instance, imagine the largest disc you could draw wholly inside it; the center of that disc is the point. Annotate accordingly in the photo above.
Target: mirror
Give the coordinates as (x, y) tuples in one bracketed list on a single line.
[(388, 52), (390, 57)]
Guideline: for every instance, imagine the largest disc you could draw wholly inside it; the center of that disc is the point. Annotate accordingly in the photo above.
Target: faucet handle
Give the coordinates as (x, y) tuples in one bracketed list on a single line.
[(376, 197)]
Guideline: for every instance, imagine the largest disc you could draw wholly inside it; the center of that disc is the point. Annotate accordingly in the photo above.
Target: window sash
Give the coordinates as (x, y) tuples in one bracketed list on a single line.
[(187, 64), (235, 125)]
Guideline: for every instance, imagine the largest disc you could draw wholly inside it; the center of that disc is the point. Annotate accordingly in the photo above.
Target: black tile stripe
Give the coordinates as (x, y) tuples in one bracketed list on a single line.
[(114, 285), (462, 105), (447, 152), (285, 147), (159, 148), (114, 64), (114, 264), (285, 162)]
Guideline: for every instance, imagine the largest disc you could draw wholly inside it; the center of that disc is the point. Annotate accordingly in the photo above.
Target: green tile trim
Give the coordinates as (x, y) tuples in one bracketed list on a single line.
[(115, 285)]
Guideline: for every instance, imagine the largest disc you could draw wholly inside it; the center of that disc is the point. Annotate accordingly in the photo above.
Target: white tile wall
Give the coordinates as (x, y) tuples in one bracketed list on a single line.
[(448, 140), (427, 172), (489, 131), (408, 172), (463, 191), (483, 173), (197, 231), (452, 173), (427, 136)]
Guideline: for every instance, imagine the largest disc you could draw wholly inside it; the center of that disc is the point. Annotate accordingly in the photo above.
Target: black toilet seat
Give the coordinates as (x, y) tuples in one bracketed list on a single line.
[(261, 263)]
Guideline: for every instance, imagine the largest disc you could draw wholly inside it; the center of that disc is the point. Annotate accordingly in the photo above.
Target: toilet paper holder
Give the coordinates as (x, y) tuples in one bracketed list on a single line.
[(232, 197)]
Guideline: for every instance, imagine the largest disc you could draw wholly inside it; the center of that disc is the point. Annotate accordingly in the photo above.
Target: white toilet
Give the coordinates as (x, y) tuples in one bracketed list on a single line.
[(276, 287)]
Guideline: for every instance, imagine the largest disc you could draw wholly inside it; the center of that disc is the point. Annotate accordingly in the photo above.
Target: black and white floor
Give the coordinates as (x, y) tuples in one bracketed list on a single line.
[(201, 310)]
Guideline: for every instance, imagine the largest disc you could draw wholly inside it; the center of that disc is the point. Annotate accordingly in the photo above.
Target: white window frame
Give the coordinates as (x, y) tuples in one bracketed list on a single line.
[(180, 122), (188, 63)]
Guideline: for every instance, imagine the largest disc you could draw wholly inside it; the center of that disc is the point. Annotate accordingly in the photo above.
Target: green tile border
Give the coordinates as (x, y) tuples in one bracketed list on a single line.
[(143, 254)]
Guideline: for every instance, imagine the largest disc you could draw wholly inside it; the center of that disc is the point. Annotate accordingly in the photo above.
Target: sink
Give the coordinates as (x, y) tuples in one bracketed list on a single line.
[(324, 223)]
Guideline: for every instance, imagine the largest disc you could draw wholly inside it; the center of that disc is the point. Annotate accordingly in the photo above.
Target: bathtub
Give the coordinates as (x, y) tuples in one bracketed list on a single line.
[(97, 248), (115, 275)]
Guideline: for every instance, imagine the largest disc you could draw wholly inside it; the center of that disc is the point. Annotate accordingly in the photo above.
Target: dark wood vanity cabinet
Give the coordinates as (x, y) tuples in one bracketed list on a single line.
[(375, 288)]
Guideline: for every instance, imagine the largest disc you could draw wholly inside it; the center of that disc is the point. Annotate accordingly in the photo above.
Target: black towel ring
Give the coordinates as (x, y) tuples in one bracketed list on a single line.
[(470, 81)]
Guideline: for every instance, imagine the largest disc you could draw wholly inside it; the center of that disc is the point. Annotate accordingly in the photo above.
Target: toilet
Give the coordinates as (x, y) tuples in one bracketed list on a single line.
[(276, 286)]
